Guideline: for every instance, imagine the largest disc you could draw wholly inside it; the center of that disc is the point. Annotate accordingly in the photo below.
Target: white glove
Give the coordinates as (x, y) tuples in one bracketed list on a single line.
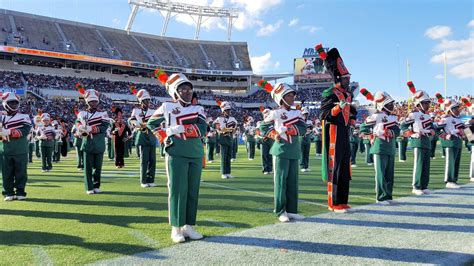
[(281, 129), (174, 130), (380, 133), (88, 129), (5, 132)]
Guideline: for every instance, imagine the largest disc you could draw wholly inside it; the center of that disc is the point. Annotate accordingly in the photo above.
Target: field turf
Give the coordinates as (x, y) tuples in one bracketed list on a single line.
[(60, 224)]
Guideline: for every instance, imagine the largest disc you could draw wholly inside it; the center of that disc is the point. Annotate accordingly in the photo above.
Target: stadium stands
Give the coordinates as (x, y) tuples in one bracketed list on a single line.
[(66, 36)]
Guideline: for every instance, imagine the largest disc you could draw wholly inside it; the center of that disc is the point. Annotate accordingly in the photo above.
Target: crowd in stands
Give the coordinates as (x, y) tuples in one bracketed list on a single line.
[(10, 79), (102, 85), (64, 108), (41, 81)]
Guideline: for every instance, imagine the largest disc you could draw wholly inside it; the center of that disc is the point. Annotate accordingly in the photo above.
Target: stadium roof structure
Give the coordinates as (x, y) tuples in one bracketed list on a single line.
[(256, 78), (171, 9)]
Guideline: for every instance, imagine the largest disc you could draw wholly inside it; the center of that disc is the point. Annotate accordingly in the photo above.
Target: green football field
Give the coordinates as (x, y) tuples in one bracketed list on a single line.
[(60, 224)]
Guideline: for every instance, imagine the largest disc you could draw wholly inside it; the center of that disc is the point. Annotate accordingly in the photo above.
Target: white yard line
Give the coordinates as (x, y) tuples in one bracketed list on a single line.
[(219, 223), (41, 257), (144, 238), (259, 193)]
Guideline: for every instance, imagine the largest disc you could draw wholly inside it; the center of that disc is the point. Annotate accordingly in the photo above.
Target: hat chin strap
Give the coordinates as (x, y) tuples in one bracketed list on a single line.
[(181, 99), (388, 111), (284, 102), (451, 111), (11, 109), (421, 105)]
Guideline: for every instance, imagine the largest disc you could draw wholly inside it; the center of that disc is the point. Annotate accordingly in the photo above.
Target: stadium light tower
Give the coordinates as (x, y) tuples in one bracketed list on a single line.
[(171, 9)]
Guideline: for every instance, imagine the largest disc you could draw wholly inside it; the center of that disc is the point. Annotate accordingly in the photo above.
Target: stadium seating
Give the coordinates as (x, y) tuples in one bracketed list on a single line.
[(45, 37), (53, 34)]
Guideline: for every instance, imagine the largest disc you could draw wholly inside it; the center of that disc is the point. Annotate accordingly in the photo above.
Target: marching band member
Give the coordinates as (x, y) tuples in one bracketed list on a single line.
[(235, 143), (120, 134), (57, 141), (226, 127), (65, 137), (452, 141), (366, 133), (402, 143), (385, 132), (210, 140), (37, 124), (77, 143), (470, 125), (46, 136), (419, 127), (14, 130), (31, 144), (145, 140), (249, 132), (306, 140), (354, 143), (92, 124), (317, 130), (264, 129), (288, 127), (185, 126), (337, 114), (109, 142)]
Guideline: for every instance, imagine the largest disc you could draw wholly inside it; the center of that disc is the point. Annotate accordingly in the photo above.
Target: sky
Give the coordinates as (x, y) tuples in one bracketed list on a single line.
[(376, 38)]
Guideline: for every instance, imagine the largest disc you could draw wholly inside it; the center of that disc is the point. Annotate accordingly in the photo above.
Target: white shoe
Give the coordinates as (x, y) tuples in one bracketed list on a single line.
[(452, 185), (224, 176), (232, 160), (392, 202), (472, 179), (177, 235), (90, 192), (303, 170), (434, 158), (21, 197), (370, 164), (80, 169), (402, 161), (9, 198), (270, 173), (442, 156), (417, 192), (250, 159), (354, 165), (427, 191), (284, 218), (229, 176), (43, 171), (295, 216), (188, 231), (145, 185), (152, 185), (384, 202), (266, 173), (210, 161)]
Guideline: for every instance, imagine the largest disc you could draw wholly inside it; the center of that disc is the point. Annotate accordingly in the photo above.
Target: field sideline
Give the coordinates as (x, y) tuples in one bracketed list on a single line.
[(60, 224)]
